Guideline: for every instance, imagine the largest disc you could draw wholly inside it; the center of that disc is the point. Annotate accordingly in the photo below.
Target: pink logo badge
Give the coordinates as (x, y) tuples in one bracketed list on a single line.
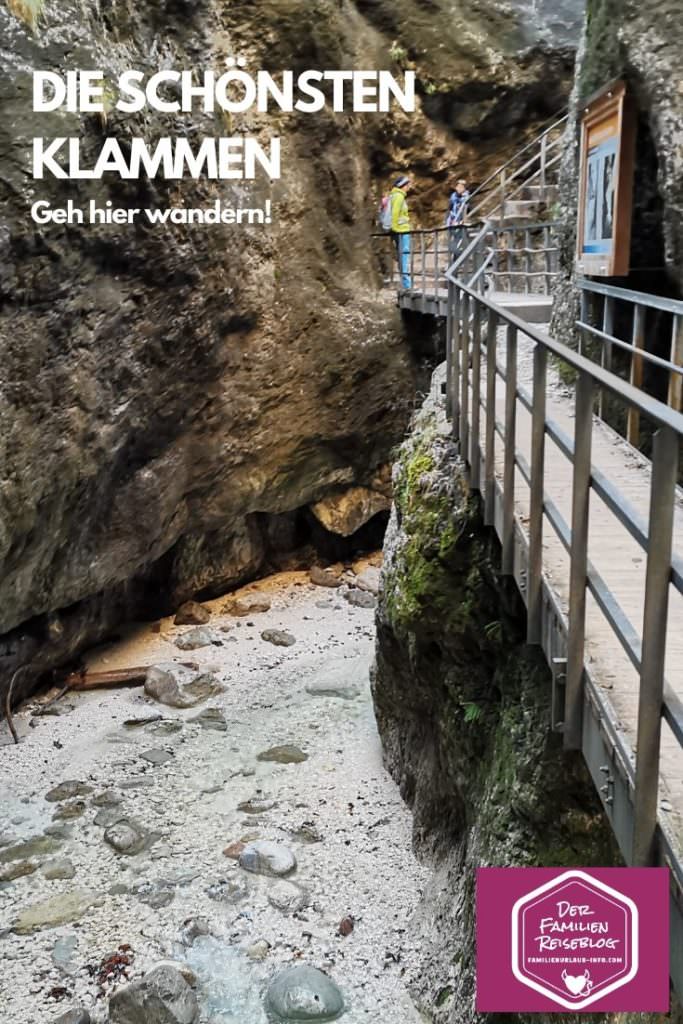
[(572, 939)]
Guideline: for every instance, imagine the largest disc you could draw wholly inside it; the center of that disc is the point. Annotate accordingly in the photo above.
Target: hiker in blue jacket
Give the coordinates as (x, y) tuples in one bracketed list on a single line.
[(457, 204)]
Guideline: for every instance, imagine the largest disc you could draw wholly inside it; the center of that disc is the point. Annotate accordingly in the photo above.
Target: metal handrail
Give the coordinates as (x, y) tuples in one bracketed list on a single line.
[(468, 309), (655, 410), (534, 142), (639, 356)]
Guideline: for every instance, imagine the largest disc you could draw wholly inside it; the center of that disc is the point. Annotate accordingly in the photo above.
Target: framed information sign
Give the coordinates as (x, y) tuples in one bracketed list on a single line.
[(606, 183)]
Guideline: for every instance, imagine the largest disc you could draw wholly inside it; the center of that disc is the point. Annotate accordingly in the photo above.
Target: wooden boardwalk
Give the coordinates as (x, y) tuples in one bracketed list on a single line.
[(613, 553), (570, 500)]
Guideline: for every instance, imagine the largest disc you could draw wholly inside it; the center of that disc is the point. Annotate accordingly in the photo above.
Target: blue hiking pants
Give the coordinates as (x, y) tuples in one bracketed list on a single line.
[(403, 257)]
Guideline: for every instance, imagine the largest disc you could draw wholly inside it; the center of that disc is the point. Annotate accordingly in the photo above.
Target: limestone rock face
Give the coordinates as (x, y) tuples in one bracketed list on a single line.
[(165, 395), (463, 710)]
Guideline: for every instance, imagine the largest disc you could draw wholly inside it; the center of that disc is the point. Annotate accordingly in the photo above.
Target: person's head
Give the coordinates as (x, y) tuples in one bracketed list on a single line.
[(461, 186), (404, 183)]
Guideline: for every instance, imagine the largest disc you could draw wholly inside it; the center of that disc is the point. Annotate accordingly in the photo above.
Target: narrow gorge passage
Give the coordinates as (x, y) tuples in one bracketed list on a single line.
[(120, 809)]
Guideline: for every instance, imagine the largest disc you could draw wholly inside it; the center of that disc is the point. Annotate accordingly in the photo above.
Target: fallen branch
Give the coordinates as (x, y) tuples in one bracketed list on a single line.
[(85, 680), (8, 706)]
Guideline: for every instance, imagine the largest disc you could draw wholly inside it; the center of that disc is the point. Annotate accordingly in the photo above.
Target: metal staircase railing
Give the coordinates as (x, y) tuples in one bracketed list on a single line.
[(530, 176)]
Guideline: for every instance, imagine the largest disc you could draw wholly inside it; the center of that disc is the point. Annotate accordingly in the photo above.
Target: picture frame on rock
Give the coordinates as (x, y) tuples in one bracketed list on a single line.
[(608, 136)]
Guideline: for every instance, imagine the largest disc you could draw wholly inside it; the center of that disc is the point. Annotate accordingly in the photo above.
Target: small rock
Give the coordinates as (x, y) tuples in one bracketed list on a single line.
[(198, 637), (179, 687), (248, 604), (228, 890), (58, 910), (155, 894), (107, 816), (258, 950), (266, 858), (69, 810), (193, 928), (164, 682), (165, 727), (285, 754), (346, 925), (304, 993), (192, 614), (287, 897), (38, 846), (360, 599), (202, 688), (62, 868), (157, 756), (211, 718), (369, 580), (323, 578), (279, 637), (126, 837), (138, 723), (256, 805), (234, 850), (108, 798), (19, 869), (77, 1016), (179, 965), (67, 791), (307, 832), (161, 997)]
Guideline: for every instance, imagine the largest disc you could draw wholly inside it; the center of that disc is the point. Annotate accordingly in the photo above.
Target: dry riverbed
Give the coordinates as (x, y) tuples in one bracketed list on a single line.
[(286, 752)]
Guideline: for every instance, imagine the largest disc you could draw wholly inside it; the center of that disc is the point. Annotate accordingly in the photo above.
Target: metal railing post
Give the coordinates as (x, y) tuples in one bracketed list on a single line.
[(655, 619), (583, 436), (423, 254), (464, 373), (638, 342), (449, 349), (508, 557), (475, 440), (606, 360), (534, 577), (490, 432), (675, 396), (455, 363), (544, 160)]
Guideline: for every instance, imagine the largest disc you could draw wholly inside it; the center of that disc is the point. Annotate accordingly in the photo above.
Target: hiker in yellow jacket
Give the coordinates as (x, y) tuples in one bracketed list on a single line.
[(400, 227)]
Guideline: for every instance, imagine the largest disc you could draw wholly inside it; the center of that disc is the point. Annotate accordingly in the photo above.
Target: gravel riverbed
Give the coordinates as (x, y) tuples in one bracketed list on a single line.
[(287, 752)]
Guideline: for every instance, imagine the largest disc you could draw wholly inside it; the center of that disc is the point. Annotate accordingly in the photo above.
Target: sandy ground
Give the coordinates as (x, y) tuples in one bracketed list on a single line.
[(360, 863)]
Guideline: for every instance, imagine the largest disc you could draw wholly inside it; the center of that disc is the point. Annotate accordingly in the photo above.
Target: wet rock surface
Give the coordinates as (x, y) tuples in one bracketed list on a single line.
[(304, 993), (161, 997), (156, 851), (263, 857)]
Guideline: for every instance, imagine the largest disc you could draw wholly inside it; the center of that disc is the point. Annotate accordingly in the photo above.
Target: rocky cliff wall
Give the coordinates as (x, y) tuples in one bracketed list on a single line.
[(169, 398), (463, 708), (640, 42)]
